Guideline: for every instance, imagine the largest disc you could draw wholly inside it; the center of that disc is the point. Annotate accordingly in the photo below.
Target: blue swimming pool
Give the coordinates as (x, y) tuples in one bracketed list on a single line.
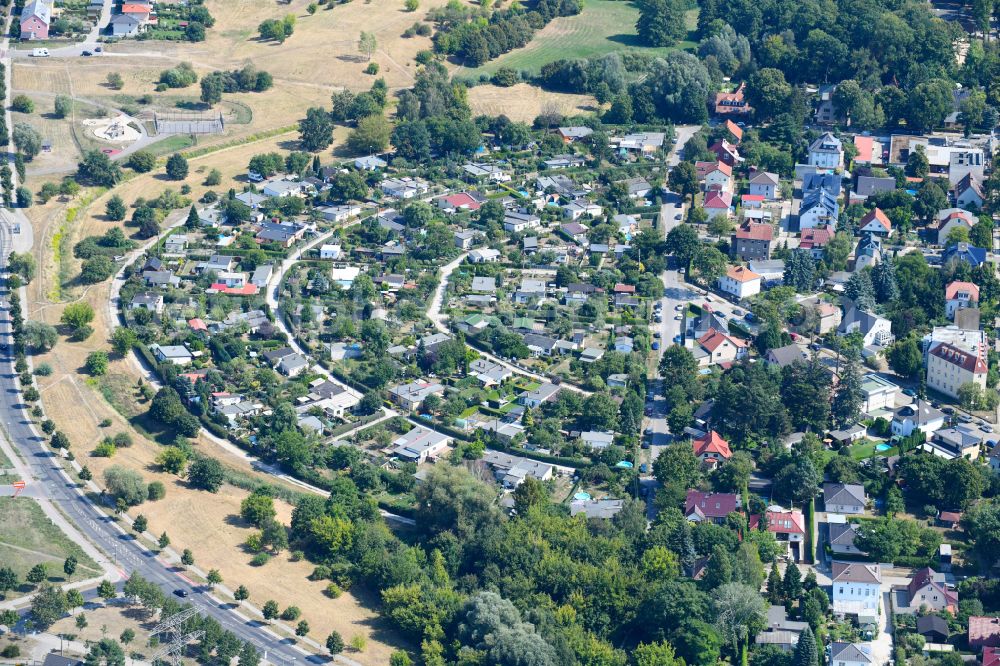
[(882, 447)]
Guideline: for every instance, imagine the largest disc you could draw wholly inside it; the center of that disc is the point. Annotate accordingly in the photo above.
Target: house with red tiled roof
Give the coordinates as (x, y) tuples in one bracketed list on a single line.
[(752, 241), (787, 525), (991, 655), (719, 347), (726, 152), (735, 131), (238, 290), (953, 218), (740, 281), (815, 240), (928, 590), (715, 176), (865, 146), (732, 103), (875, 222), (700, 506), (958, 295), (718, 204), (984, 632), (711, 449), (950, 367)]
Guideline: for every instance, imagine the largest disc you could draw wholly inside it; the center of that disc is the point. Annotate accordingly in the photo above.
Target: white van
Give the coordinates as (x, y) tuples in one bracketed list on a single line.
[(40, 53)]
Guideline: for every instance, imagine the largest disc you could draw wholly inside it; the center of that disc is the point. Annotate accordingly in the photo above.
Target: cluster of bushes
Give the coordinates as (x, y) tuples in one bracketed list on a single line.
[(277, 30), (247, 79), (97, 253), (181, 76)]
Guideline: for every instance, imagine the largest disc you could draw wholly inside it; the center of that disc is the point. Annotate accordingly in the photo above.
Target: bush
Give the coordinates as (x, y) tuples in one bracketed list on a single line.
[(333, 590), (115, 81), (22, 104), (141, 161), (105, 449), (260, 559), (177, 167), (372, 68), (291, 614), (63, 106), (97, 363), (126, 484), (24, 198), (156, 491), (10, 652)]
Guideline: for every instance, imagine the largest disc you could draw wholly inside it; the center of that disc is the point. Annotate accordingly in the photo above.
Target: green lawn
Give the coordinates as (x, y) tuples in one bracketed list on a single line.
[(28, 537), (602, 27)]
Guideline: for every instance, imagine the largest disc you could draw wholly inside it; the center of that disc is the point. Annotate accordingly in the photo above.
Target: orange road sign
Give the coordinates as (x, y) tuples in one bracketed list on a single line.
[(18, 487)]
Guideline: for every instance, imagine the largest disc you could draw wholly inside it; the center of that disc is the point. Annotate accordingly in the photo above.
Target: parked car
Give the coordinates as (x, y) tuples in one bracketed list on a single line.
[(643, 468), (910, 392), (656, 345)]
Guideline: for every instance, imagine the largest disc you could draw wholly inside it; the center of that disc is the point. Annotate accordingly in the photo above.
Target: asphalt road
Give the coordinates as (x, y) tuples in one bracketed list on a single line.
[(129, 554)]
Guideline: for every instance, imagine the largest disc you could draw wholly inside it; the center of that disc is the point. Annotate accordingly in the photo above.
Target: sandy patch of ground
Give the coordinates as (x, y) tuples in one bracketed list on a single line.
[(525, 102)]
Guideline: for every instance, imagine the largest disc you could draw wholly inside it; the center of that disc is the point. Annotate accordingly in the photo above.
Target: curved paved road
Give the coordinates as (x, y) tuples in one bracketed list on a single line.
[(439, 319)]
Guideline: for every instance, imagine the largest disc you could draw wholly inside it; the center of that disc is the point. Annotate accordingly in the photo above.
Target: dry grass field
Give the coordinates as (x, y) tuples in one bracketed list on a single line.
[(524, 102)]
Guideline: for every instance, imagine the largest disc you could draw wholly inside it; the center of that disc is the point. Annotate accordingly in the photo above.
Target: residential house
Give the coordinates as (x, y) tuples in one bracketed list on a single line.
[(965, 252), (857, 588), (711, 449), (781, 357), (481, 171), (539, 345), (175, 354), (851, 654), (842, 535), (868, 252), (827, 152), (637, 188), (515, 222), (175, 243), (575, 231), (292, 365), (950, 219), (339, 213), (536, 397), (847, 498), (735, 131), (147, 300), (984, 632), (578, 208), (949, 368), (486, 255), (511, 471), (715, 176), (529, 291), (740, 281), (370, 163), (819, 209), (875, 222), (959, 295), (927, 592), (330, 251), (815, 240), (718, 204), (879, 394), (602, 509), (869, 150), (965, 161), (564, 162), (875, 330), (726, 152), (459, 201), (716, 347), (752, 241), (420, 444), (969, 192), (934, 629), (280, 188), (765, 184), (918, 415), (624, 344), (411, 396), (573, 134), (597, 440), (787, 525), (732, 103), (161, 279), (640, 142), (715, 507), (826, 111), (869, 185), (780, 631), (125, 25), (404, 188)]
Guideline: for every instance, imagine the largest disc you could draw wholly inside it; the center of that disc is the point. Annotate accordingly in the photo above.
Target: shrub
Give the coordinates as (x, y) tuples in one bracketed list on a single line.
[(260, 559), (291, 614), (10, 652), (333, 590), (125, 484), (372, 68), (105, 449), (22, 104), (141, 161), (43, 370), (156, 491)]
